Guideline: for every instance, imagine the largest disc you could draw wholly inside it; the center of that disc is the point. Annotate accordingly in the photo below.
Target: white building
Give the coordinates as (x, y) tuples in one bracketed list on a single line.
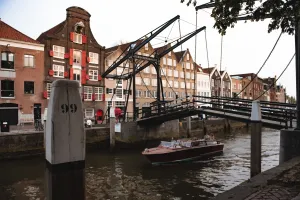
[(203, 84)]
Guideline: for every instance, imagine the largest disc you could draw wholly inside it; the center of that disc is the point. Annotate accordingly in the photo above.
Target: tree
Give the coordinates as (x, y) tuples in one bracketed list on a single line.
[(283, 13)]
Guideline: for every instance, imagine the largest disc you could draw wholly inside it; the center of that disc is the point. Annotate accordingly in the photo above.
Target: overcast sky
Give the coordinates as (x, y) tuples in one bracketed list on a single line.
[(245, 47)]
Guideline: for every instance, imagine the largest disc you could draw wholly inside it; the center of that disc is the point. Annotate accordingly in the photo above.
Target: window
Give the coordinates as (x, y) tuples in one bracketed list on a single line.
[(174, 63), (154, 94), (175, 73), (146, 70), (48, 90), (119, 103), (193, 85), (146, 81), (153, 70), (188, 56), (94, 58), (192, 75), (164, 83), (93, 75), (7, 88), (138, 80), (188, 85), (154, 82), (58, 52), (169, 54), (58, 71), (77, 38), (176, 84), (182, 85), (28, 87), (89, 113), (87, 92), (170, 61), (171, 83), (28, 61), (181, 74), (7, 60), (188, 75), (119, 93), (138, 93), (76, 57), (164, 61), (170, 72), (109, 104), (188, 65), (98, 93), (146, 47)]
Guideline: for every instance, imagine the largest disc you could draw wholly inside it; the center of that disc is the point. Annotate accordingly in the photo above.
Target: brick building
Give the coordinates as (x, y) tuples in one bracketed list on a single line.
[(277, 93), (72, 52), (236, 86), (254, 89), (21, 70), (215, 80)]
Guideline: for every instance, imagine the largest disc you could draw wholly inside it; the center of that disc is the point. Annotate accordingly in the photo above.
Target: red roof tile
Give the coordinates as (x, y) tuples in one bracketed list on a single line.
[(8, 32), (208, 70), (52, 31)]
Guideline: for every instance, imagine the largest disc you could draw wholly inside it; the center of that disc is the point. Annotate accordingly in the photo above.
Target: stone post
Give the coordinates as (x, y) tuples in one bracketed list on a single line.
[(65, 143), (255, 139), (189, 126), (112, 124), (289, 144)]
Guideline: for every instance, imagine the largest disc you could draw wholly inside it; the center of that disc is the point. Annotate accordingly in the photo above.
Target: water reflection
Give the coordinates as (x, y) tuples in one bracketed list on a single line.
[(128, 175)]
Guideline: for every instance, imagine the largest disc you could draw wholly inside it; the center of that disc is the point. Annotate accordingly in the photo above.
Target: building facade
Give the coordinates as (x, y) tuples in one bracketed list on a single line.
[(203, 84), (21, 76), (215, 80), (226, 84), (71, 52), (236, 86)]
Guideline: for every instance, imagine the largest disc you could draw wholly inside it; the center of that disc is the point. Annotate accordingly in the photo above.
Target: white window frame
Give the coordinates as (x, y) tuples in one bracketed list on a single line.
[(175, 84), (91, 110), (164, 61), (188, 75), (154, 82), (59, 70), (58, 51), (175, 73), (27, 59), (146, 47), (171, 83), (77, 38), (146, 81), (187, 56), (182, 85), (170, 62), (188, 65), (48, 88), (146, 70), (164, 83), (153, 70), (138, 81), (181, 74), (170, 72), (87, 93), (94, 58), (98, 93), (120, 104), (93, 75), (174, 63), (188, 85)]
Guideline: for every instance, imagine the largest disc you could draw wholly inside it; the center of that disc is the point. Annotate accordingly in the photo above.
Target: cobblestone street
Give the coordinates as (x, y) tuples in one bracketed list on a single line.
[(274, 193)]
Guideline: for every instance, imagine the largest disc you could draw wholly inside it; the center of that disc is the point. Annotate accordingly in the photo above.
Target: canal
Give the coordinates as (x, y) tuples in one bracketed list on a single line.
[(127, 175)]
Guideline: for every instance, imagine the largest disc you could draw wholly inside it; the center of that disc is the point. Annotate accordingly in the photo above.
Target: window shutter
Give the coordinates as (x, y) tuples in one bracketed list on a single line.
[(88, 59), (107, 90), (114, 90), (67, 55), (72, 36), (99, 78), (71, 57), (83, 77), (83, 58), (51, 53), (45, 94), (50, 72), (71, 73), (84, 39), (93, 97)]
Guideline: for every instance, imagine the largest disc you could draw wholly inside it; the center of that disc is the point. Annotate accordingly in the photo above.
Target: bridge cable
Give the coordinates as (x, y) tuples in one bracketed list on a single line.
[(221, 55), (270, 86), (183, 65), (195, 59), (207, 57), (262, 65)]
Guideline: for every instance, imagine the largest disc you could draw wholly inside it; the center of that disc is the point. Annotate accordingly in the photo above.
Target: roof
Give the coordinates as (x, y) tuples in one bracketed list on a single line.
[(53, 30), (8, 32), (244, 75), (179, 55), (123, 47), (162, 48), (208, 70)]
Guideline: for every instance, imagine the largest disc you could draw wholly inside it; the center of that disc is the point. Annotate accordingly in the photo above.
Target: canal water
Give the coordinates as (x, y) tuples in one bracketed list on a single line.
[(128, 175)]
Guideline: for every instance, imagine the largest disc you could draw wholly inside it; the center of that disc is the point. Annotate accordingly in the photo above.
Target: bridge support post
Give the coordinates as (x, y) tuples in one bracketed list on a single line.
[(189, 126), (255, 139), (65, 143), (112, 134)]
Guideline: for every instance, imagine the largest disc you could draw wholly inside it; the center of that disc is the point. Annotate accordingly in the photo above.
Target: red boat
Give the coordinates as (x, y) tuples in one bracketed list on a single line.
[(180, 150)]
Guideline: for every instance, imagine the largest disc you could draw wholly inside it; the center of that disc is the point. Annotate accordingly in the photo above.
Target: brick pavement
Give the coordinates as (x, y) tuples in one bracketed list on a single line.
[(274, 192)]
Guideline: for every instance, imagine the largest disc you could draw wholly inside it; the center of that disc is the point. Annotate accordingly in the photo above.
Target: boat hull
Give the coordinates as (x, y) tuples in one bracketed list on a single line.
[(184, 154)]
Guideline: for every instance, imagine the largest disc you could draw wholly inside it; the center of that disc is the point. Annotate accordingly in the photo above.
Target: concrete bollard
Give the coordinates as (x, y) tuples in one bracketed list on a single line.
[(189, 126), (255, 139), (65, 143), (112, 133)]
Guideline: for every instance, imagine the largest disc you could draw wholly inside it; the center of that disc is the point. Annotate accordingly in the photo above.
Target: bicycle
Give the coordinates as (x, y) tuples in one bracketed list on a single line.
[(38, 125)]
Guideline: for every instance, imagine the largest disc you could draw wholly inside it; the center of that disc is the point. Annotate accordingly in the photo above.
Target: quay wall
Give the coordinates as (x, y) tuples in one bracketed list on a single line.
[(22, 144)]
